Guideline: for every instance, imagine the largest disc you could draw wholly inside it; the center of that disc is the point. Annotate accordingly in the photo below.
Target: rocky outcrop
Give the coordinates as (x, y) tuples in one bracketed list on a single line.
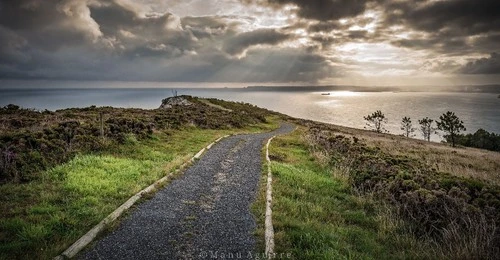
[(175, 101)]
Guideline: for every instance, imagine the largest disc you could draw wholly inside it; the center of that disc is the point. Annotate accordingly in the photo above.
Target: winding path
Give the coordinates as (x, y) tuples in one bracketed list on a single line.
[(204, 214)]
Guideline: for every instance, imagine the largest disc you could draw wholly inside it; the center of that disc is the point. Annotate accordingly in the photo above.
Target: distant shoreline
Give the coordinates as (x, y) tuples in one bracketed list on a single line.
[(438, 89), (10, 84), (486, 89)]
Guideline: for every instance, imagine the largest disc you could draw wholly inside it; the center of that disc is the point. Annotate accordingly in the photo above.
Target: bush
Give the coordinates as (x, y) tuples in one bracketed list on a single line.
[(435, 204), (33, 141)]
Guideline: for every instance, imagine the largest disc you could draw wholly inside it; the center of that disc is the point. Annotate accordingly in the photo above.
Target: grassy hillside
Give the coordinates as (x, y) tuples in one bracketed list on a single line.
[(348, 193), (70, 177), (317, 215), (32, 141), (338, 192)]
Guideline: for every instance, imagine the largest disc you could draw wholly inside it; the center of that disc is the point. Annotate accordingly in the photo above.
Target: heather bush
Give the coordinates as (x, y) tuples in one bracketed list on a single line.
[(436, 205), (31, 141)]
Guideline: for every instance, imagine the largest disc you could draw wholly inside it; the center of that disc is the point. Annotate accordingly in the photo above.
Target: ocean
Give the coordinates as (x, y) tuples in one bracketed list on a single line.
[(477, 110)]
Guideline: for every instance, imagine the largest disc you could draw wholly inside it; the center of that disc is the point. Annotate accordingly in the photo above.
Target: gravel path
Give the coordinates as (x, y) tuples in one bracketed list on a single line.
[(204, 214)]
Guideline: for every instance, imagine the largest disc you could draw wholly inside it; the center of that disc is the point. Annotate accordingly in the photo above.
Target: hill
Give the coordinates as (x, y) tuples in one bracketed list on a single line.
[(339, 192)]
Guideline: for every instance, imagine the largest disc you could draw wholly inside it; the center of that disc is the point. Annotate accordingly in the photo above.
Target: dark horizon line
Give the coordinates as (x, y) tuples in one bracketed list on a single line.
[(489, 88), (484, 88)]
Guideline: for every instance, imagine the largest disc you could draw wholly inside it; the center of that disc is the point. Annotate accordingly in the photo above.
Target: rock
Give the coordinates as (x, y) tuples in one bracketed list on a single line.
[(174, 101)]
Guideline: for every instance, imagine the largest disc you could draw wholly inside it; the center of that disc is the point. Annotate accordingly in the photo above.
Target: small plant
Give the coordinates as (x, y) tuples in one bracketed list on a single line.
[(426, 128), (452, 125), (407, 127), (7, 164), (376, 121)]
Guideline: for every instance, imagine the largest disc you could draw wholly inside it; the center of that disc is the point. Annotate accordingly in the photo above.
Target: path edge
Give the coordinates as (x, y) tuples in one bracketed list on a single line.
[(86, 239), (269, 230)]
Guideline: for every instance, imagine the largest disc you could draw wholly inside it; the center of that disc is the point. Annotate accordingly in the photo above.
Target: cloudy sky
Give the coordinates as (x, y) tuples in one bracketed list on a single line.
[(355, 42)]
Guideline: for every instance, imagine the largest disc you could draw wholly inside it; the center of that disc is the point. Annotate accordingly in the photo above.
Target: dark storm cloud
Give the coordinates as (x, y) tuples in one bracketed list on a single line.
[(450, 46), (258, 65), (49, 24), (116, 42), (490, 65), (322, 10), (239, 43), (448, 25), (136, 35), (12, 47), (124, 40), (289, 65), (326, 26), (457, 17), (212, 65), (111, 17), (323, 40), (357, 34), (487, 43), (270, 65), (447, 67), (205, 27)]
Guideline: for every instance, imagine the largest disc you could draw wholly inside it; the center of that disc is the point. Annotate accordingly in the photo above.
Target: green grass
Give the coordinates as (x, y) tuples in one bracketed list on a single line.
[(317, 216), (454, 213), (42, 218)]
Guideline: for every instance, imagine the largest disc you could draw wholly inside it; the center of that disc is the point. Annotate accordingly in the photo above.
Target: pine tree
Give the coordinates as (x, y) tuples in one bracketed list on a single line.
[(407, 127), (451, 124), (426, 128), (376, 121)]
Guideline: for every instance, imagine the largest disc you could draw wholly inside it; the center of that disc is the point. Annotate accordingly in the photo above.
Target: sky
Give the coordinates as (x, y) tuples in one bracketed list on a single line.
[(295, 42)]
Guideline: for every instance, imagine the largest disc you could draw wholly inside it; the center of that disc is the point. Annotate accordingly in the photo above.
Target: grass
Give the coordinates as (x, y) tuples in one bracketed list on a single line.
[(208, 103), (32, 141), (326, 204), (317, 216), (462, 161), (455, 213), (41, 218)]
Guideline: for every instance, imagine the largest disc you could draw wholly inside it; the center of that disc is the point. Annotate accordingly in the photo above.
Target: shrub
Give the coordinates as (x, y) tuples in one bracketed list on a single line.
[(437, 205), (33, 141)]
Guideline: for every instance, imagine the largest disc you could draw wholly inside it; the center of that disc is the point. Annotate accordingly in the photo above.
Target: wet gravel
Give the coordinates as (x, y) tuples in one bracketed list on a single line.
[(204, 214)]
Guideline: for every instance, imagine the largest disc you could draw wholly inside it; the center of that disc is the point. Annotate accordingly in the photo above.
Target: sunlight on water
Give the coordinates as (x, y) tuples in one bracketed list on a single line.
[(339, 94)]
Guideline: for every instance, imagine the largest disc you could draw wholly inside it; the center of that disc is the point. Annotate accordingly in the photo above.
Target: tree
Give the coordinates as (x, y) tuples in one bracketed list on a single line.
[(426, 128), (452, 125), (480, 139), (376, 121), (407, 127)]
